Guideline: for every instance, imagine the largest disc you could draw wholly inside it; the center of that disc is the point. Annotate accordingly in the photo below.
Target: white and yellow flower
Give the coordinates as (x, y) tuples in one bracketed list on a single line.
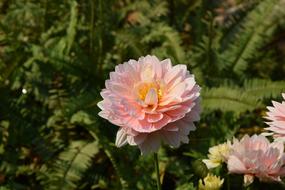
[(218, 155), (210, 182)]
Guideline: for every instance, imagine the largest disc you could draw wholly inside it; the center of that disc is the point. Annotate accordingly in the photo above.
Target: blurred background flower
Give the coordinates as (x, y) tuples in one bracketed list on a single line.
[(218, 154), (211, 182), (276, 120), (255, 156)]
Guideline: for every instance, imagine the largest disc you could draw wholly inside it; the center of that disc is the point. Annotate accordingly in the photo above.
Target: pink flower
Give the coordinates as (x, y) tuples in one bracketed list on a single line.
[(152, 102), (276, 115), (255, 156)]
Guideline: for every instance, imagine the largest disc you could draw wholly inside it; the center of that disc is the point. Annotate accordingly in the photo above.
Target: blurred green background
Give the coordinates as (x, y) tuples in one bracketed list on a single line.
[(56, 54)]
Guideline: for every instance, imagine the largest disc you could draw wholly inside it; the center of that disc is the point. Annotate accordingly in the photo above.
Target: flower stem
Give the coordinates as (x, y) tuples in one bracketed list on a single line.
[(157, 171), (228, 183)]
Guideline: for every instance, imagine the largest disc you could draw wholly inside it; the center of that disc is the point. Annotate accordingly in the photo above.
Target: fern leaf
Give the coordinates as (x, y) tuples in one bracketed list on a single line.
[(256, 30), (71, 165), (246, 98), (228, 99), (170, 40), (264, 88), (96, 133), (71, 31)]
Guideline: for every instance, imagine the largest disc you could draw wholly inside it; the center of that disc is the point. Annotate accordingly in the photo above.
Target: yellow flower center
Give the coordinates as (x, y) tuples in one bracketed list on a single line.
[(142, 90)]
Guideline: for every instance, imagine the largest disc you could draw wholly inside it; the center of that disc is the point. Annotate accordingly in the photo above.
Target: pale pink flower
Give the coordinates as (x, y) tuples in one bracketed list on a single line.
[(255, 156), (276, 117), (152, 102)]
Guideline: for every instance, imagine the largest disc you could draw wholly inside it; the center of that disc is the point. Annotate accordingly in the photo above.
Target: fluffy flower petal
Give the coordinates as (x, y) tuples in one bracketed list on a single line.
[(276, 117), (152, 102), (255, 156)]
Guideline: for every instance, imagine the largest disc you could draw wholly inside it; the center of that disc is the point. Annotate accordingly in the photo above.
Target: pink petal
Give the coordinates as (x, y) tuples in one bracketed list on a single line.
[(151, 97), (150, 144), (161, 123), (235, 165), (177, 70), (151, 101), (171, 138), (136, 140), (152, 118)]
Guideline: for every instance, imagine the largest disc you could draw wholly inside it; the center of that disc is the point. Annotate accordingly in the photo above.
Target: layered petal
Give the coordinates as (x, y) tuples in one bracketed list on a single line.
[(276, 119), (255, 156), (152, 102)]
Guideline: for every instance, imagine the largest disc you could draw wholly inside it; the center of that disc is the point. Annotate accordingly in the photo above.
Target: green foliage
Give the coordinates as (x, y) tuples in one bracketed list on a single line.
[(68, 169), (241, 99), (256, 31), (56, 55), (188, 186)]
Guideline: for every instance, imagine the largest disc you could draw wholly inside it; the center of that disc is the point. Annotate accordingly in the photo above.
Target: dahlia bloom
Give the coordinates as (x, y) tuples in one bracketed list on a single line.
[(255, 156), (210, 182), (276, 117), (152, 102), (218, 155)]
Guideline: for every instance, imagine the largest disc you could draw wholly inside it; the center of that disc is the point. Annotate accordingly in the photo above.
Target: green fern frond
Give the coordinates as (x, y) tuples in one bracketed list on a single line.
[(240, 99), (58, 48), (128, 40), (109, 150), (264, 88), (228, 99), (4, 188), (160, 9), (71, 30), (71, 165), (143, 12), (170, 42), (255, 31)]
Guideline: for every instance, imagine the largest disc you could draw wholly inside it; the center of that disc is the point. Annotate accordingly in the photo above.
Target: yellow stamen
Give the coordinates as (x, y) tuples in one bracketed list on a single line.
[(143, 89)]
